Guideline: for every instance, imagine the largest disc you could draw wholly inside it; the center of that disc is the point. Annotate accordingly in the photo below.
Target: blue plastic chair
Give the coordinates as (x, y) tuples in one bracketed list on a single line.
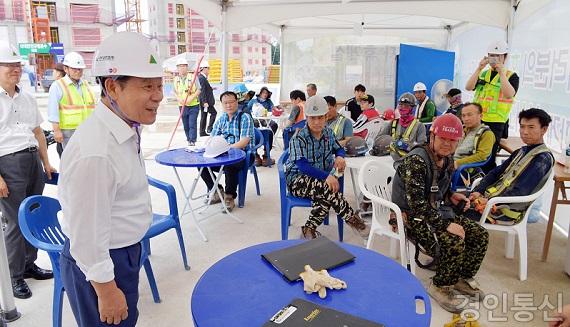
[(457, 182), (289, 131), (161, 224), (249, 166), (288, 202)]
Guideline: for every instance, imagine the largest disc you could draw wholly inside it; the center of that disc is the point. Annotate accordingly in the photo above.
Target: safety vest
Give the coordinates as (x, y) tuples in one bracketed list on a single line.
[(181, 89), (301, 115), (338, 125), (405, 137), (514, 170), (73, 107), (496, 107)]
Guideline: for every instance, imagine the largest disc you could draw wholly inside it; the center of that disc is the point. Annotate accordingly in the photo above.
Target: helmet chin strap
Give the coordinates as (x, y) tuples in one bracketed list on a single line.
[(115, 108)]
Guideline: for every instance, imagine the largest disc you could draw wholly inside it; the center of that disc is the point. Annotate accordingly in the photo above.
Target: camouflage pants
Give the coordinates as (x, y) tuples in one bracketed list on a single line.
[(322, 198), (458, 258)]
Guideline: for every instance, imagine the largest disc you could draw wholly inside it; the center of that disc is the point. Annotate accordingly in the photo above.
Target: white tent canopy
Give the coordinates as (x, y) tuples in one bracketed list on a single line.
[(429, 21)]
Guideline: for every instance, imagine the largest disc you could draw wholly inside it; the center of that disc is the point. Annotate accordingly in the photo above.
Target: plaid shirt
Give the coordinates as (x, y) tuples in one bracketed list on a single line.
[(320, 153), (231, 130)]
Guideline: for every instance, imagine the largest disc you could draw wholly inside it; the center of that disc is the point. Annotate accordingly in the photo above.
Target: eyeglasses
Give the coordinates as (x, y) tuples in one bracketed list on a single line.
[(11, 65)]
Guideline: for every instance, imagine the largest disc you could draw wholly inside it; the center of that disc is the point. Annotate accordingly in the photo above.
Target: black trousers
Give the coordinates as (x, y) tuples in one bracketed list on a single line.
[(204, 118), (273, 125), (500, 131), (23, 173), (231, 175)]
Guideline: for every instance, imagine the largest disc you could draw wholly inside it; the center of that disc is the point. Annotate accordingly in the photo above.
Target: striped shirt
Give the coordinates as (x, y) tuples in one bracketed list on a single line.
[(232, 131), (319, 153)]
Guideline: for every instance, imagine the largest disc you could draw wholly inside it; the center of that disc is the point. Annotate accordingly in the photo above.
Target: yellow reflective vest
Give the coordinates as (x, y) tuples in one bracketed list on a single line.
[(181, 89), (496, 107), (74, 108)]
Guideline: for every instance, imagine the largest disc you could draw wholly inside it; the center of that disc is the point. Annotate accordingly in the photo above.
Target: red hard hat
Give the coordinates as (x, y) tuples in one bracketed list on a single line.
[(447, 126), (388, 114)]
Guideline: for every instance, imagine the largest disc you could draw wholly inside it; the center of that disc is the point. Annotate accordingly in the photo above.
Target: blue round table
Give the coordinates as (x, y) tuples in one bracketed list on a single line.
[(243, 290), (186, 158)]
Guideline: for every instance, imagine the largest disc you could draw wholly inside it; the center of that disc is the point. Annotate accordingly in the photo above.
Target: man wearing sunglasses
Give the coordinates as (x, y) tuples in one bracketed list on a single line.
[(495, 90)]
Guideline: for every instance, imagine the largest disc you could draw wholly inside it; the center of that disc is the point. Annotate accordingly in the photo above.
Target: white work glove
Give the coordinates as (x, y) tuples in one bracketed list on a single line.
[(319, 281)]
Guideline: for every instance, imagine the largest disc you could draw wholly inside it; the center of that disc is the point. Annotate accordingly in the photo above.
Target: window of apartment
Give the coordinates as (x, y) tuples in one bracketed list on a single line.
[(84, 13), (263, 50), (2, 10), (171, 36), (88, 58), (264, 62), (257, 61), (235, 37), (249, 49), (198, 37), (54, 33), (256, 49), (180, 9), (86, 37), (18, 11), (181, 48), (249, 61), (181, 37), (170, 8), (170, 22), (180, 23), (43, 9), (210, 24), (212, 49), (236, 50), (172, 50), (197, 23), (198, 48)]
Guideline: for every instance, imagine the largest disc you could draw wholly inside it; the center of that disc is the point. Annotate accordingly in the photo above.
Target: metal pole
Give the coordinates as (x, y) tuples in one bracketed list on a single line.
[(8, 311), (225, 48), (281, 51)]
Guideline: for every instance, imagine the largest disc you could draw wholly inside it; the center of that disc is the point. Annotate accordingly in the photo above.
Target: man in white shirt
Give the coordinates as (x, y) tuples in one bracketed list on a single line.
[(103, 186), (23, 150)]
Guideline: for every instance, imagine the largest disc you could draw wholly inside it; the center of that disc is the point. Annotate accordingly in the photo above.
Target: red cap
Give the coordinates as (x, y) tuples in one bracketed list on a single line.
[(388, 114), (448, 126)]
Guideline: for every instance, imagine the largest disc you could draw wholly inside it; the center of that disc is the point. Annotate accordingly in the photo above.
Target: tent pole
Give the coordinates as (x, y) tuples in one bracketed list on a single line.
[(225, 48), (449, 30), (511, 25), (281, 51)]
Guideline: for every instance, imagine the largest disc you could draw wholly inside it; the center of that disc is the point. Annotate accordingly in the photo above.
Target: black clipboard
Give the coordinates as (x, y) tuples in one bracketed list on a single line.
[(302, 313), (320, 253)]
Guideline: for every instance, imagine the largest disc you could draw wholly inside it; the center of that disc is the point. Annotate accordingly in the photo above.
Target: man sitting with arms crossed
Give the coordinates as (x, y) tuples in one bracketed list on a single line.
[(478, 139)]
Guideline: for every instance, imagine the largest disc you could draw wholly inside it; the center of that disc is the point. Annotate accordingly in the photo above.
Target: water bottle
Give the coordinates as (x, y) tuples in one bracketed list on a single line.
[(567, 161)]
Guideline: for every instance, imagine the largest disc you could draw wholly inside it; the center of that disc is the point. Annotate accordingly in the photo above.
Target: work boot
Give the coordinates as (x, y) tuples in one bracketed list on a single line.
[(446, 297), (358, 225), (230, 202), (471, 288), (309, 233), (258, 160), (266, 162), (216, 197)]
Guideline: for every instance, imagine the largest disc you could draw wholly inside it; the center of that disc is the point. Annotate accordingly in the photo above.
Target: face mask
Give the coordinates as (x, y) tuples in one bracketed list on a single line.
[(406, 115)]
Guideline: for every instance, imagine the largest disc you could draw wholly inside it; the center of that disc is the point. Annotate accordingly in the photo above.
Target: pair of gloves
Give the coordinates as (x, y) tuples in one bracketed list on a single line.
[(319, 281)]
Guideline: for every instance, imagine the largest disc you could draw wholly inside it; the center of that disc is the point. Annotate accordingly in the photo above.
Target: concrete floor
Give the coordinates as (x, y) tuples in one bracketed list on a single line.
[(498, 275)]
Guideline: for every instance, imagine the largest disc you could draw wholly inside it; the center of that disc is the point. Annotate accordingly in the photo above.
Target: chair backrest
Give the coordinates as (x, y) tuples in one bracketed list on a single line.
[(259, 140), (456, 180), (37, 217), (281, 169), (375, 181), (170, 194), (289, 131)]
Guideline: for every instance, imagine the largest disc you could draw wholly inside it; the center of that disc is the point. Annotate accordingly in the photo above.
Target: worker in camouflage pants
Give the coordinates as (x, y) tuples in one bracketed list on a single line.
[(315, 162), (433, 216)]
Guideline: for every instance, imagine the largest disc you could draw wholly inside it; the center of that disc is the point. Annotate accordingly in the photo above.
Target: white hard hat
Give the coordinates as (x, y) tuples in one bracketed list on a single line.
[(316, 106), (8, 54), (420, 87), (498, 47), (181, 61), (74, 60), (215, 146), (126, 54), (204, 64)]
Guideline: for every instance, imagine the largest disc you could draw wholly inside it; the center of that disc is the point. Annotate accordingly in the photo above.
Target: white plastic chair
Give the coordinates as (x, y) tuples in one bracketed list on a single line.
[(375, 182), (519, 230)]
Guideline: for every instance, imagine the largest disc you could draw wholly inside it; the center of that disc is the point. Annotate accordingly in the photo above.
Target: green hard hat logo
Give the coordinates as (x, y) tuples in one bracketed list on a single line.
[(152, 60)]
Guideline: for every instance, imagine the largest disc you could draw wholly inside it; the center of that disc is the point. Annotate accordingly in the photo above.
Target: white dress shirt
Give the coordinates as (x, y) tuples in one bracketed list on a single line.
[(103, 190), (19, 116)]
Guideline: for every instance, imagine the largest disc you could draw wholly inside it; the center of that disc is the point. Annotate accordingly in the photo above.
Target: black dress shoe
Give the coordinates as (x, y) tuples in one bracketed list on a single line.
[(38, 273), (21, 289)]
